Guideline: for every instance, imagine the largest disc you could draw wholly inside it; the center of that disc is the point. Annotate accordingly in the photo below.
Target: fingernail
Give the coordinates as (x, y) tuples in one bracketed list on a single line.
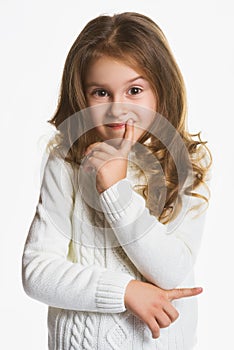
[(130, 121)]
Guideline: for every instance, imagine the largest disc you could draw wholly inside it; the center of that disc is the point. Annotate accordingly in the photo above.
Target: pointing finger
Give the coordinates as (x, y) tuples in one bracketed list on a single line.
[(128, 139), (183, 293)]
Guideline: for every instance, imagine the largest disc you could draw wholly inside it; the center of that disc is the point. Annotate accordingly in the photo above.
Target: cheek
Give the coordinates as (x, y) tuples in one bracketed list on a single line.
[(145, 120), (139, 131), (152, 102), (146, 117), (96, 120), (97, 115), (99, 130)]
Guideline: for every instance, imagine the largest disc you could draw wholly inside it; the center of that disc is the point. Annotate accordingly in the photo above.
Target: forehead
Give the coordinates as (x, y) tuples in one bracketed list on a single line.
[(109, 68)]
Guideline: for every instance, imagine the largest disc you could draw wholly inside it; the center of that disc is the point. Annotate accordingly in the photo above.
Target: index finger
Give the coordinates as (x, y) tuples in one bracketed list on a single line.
[(128, 139), (183, 293)]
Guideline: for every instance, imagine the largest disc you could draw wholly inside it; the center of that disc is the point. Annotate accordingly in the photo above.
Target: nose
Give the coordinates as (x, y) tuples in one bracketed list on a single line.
[(117, 109)]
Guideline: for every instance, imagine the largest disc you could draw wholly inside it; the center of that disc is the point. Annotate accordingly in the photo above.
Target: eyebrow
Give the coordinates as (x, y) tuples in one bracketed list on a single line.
[(93, 83)]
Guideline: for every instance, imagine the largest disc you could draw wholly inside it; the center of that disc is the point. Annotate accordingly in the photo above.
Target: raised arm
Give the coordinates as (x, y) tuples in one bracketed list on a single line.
[(47, 273), (164, 258)]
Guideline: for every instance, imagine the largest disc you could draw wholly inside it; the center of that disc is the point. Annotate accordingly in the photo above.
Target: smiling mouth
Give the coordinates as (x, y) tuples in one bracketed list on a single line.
[(116, 125)]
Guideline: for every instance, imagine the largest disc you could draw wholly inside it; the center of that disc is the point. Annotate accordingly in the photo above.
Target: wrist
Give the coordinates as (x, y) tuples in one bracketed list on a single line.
[(128, 291), (101, 187)]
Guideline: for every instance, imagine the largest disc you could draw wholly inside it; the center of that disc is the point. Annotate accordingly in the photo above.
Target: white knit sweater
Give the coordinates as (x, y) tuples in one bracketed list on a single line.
[(79, 264)]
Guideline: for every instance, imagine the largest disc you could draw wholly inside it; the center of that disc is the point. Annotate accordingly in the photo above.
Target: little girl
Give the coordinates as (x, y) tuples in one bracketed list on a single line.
[(120, 216)]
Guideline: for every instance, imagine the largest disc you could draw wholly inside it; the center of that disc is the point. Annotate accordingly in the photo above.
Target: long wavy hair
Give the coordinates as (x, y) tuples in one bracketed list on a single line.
[(139, 42)]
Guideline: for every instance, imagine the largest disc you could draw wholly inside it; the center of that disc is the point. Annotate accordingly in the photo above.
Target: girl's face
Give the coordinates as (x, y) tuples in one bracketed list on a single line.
[(119, 92)]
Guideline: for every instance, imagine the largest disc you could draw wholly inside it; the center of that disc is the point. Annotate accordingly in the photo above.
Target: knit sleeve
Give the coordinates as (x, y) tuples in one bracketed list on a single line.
[(47, 274), (164, 254)]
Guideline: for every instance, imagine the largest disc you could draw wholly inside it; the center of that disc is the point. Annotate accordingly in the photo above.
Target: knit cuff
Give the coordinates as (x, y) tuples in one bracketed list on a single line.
[(120, 200), (111, 290)]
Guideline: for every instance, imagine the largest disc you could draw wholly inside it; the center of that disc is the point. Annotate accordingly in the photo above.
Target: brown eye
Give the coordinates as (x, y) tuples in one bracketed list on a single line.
[(134, 91), (100, 93)]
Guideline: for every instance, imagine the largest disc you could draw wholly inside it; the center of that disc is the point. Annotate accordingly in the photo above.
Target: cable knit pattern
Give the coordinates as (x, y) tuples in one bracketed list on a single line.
[(88, 341), (76, 331), (98, 242), (80, 264)]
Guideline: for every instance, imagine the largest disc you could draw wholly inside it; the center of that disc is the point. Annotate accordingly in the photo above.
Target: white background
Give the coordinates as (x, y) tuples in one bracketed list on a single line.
[(35, 39)]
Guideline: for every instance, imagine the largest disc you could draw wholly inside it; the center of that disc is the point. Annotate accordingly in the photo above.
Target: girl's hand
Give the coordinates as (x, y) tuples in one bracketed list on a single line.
[(109, 163), (153, 305)]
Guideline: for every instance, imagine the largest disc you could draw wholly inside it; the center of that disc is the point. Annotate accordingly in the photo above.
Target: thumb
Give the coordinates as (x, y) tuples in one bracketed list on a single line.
[(183, 293)]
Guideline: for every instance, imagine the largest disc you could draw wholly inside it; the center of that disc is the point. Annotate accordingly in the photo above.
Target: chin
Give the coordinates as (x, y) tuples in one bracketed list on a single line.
[(116, 142)]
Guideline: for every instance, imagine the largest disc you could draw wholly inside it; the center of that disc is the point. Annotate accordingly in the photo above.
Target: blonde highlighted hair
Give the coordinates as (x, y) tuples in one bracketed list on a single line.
[(139, 42)]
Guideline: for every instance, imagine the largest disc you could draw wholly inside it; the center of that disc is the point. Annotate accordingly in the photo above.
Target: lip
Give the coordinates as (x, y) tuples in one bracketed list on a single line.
[(116, 125)]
